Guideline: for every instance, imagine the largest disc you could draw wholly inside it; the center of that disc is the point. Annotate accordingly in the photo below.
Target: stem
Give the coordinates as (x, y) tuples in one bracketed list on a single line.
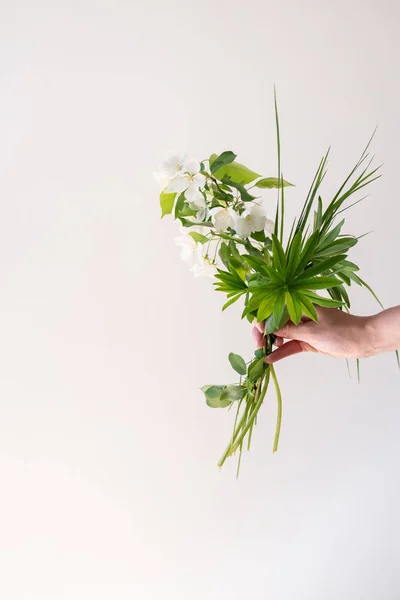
[(257, 407), (279, 415)]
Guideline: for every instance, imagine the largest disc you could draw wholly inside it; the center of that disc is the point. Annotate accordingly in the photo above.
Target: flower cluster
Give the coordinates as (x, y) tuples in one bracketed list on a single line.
[(211, 203)]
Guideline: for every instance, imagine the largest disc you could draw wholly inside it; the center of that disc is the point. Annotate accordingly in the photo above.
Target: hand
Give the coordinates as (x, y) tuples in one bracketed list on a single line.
[(336, 333)]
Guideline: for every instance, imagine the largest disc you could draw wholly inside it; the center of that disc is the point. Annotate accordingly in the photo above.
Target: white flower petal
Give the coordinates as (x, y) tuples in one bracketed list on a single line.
[(192, 166), (244, 225), (269, 226), (174, 165), (199, 180), (179, 184), (223, 218), (192, 194)]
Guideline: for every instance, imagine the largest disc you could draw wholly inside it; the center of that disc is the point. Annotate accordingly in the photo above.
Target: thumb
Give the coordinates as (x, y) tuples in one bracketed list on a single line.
[(292, 332)]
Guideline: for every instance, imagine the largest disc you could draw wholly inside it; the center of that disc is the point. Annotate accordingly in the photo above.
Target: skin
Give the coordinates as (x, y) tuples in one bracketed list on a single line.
[(337, 334)]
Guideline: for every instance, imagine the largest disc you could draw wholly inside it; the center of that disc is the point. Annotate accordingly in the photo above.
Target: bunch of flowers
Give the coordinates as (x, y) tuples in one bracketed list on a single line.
[(279, 275)]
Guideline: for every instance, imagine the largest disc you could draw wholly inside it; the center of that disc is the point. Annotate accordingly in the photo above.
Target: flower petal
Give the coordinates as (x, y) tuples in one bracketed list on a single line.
[(192, 166), (179, 184)]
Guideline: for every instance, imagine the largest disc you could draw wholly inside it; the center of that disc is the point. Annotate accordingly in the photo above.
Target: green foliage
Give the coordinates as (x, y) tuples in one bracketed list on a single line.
[(223, 159), (237, 363), (272, 182), (235, 171), (166, 203), (198, 237), (213, 394)]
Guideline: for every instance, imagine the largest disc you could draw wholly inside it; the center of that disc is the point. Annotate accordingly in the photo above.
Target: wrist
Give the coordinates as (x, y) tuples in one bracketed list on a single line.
[(376, 339)]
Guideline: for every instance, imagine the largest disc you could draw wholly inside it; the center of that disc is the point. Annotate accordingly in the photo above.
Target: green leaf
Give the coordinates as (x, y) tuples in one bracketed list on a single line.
[(236, 171), (321, 301), (308, 307), (266, 307), (279, 307), (259, 353), (294, 253), (316, 283), (232, 300), (223, 159), (272, 182), (270, 325), (308, 251), (237, 363), (198, 237), (330, 236), (256, 369), (340, 246), (244, 194), (294, 307), (166, 203), (278, 255), (320, 267), (232, 393), (213, 395)]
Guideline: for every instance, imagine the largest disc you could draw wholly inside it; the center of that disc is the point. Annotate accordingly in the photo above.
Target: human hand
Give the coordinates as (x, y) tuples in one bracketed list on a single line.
[(336, 333)]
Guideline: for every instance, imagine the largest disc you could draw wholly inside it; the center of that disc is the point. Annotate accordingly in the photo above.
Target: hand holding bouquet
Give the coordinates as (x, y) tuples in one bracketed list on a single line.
[(279, 275)]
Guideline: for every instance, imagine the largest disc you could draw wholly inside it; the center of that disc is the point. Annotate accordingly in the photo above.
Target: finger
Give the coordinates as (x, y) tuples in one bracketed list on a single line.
[(260, 326), (258, 337), (295, 332), (278, 342), (288, 349)]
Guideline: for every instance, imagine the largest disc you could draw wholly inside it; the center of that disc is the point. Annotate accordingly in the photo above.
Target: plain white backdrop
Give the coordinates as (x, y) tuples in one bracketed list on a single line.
[(109, 484)]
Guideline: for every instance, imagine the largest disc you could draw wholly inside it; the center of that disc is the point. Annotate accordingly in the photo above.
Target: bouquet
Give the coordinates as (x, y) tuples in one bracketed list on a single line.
[(279, 275)]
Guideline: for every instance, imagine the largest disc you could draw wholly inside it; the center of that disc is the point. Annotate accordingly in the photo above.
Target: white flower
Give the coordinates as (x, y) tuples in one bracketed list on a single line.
[(187, 179), (223, 218), (269, 226), (175, 164), (199, 204), (251, 220), (205, 268), (191, 251), (195, 182)]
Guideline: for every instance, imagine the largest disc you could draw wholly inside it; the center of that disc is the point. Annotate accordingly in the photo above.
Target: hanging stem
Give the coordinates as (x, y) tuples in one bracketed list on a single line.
[(279, 415)]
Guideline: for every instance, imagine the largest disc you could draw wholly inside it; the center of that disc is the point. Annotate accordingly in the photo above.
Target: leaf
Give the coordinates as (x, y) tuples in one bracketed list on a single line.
[(232, 300), (235, 171), (223, 159), (270, 325), (308, 307), (259, 353), (316, 283), (331, 236), (279, 307), (294, 253), (213, 395), (232, 393), (278, 255), (237, 363), (198, 237), (308, 251), (256, 369), (166, 203), (320, 267), (340, 246), (266, 307), (321, 301), (244, 194), (294, 307), (273, 182)]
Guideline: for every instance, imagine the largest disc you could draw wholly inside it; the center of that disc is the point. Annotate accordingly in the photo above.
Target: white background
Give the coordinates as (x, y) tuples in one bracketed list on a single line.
[(109, 485)]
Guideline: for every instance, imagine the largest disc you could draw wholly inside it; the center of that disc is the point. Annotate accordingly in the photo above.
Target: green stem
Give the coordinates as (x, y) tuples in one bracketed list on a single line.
[(257, 407), (279, 415)]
